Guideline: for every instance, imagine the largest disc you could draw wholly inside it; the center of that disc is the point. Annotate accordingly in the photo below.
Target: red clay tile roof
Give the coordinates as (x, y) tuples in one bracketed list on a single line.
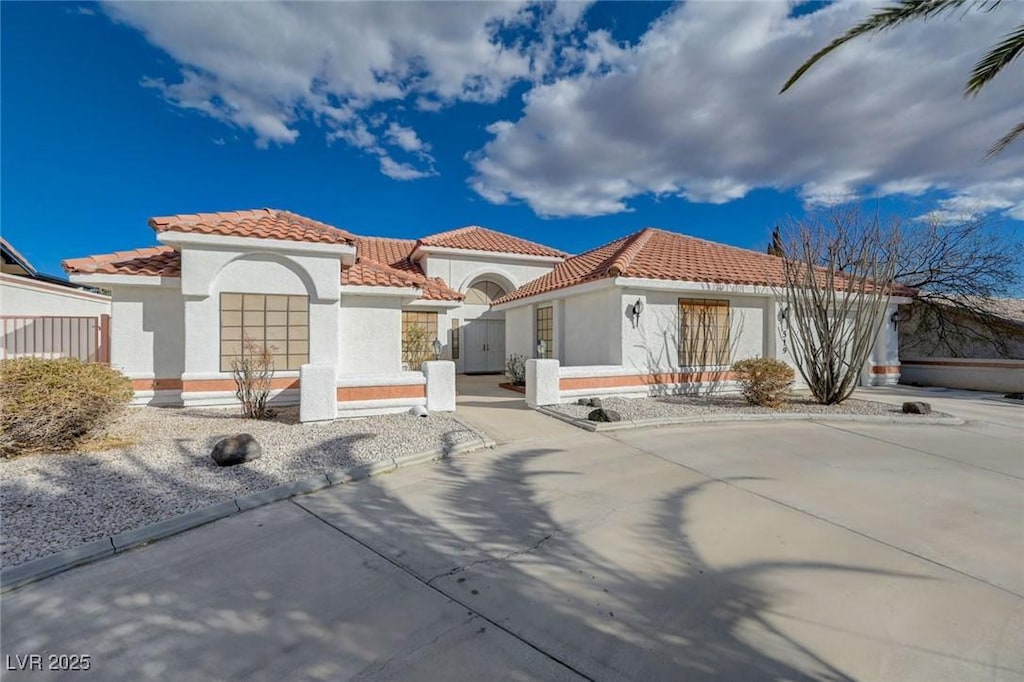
[(151, 261), (262, 223), (657, 254), (481, 239), (385, 262)]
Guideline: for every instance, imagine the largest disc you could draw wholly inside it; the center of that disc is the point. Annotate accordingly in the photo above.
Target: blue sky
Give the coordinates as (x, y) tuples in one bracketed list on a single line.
[(570, 125)]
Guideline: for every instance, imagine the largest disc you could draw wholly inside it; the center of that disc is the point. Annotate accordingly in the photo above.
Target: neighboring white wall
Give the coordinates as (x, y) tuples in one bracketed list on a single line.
[(1003, 376), (147, 336), (24, 296), (370, 335)]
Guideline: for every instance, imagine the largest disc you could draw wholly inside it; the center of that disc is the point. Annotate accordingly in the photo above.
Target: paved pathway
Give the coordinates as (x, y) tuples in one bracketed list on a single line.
[(743, 552)]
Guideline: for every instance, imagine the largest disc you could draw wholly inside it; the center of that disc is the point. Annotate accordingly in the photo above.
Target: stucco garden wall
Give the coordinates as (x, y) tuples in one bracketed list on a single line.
[(24, 296)]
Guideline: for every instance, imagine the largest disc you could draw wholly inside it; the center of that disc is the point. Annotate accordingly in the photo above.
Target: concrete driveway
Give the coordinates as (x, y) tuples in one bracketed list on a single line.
[(729, 552)]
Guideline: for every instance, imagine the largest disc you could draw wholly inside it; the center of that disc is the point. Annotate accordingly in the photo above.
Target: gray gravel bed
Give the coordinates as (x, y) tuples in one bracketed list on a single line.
[(688, 406), (52, 502)]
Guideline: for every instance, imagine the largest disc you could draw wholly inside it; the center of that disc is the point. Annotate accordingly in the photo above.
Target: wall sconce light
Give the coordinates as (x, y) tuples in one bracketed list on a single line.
[(895, 318), (638, 308), (783, 313), (437, 348), (542, 348)]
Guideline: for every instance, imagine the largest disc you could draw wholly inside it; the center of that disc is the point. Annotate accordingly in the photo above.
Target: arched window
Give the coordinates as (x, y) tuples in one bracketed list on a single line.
[(483, 292)]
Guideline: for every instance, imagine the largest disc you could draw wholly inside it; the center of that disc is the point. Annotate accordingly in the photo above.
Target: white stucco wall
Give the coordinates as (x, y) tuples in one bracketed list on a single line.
[(459, 271), (147, 336), (653, 345), (519, 332), (370, 335), (23, 296), (206, 273), (590, 331)]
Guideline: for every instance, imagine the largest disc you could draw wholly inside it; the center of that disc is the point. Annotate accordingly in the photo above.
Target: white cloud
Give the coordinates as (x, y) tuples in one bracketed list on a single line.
[(266, 66), (692, 110), (406, 138), (401, 171)]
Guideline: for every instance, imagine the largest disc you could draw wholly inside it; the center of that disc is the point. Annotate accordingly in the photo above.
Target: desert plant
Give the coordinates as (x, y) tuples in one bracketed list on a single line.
[(837, 269), (515, 370), (56, 405), (417, 346), (253, 374), (764, 381)]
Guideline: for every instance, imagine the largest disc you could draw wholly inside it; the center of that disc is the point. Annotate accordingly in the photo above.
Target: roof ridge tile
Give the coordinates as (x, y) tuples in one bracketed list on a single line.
[(629, 250)]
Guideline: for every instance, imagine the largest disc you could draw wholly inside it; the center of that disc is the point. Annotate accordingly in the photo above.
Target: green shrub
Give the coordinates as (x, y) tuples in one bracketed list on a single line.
[(515, 370), (764, 381), (55, 405)]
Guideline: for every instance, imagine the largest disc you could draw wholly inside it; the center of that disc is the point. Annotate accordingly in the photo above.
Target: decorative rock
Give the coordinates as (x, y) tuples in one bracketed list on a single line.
[(1014, 396), (585, 402), (418, 411), (916, 407), (596, 402), (603, 415), (236, 450)]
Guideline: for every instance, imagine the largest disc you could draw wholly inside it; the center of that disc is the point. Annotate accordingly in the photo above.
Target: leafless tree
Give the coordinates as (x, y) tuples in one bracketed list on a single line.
[(838, 269), (959, 268)]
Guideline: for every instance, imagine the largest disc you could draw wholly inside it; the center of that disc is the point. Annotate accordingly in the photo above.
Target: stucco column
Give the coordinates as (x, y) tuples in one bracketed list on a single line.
[(542, 382), (440, 376), (883, 366)]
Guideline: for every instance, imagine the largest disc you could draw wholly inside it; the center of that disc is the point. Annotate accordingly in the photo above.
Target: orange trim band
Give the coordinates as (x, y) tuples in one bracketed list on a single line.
[(156, 384), (350, 393), (885, 369), (202, 385), (580, 383), (961, 363)]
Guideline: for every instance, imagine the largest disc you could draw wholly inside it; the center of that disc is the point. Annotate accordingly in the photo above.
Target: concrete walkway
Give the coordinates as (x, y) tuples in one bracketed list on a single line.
[(800, 551), (501, 413)]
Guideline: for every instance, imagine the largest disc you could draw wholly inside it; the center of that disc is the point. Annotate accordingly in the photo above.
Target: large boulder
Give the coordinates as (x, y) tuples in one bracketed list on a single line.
[(916, 407), (603, 415), (236, 450)]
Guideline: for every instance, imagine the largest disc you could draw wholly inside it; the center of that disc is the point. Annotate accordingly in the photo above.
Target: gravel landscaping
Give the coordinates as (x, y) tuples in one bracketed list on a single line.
[(687, 406), (56, 501)]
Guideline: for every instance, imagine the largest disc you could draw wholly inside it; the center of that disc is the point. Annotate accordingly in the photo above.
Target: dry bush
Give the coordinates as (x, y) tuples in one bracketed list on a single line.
[(253, 374), (515, 370), (764, 381), (417, 346), (55, 405)]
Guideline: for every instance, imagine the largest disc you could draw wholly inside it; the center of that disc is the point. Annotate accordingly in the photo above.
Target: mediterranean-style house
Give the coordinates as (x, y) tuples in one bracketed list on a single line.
[(618, 319)]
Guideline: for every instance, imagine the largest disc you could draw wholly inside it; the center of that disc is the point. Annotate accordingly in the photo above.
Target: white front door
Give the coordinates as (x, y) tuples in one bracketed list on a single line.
[(484, 346)]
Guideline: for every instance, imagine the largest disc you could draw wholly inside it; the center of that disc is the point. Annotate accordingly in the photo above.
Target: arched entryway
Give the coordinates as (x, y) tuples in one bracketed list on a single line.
[(483, 330)]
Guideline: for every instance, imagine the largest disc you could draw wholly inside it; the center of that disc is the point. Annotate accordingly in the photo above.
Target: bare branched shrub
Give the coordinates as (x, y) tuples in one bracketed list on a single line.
[(253, 374), (764, 381), (515, 370), (417, 346), (838, 268), (961, 268), (56, 405)]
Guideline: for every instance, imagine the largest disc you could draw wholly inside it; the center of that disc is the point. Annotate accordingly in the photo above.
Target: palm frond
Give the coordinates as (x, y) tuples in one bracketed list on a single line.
[(887, 18), (993, 62), (1005, 141)]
